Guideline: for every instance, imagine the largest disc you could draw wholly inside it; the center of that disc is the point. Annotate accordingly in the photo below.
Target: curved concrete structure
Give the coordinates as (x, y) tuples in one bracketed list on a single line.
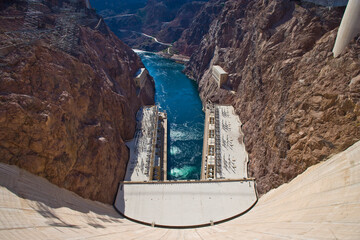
[(321, 203), (349, 27), (185, 203)]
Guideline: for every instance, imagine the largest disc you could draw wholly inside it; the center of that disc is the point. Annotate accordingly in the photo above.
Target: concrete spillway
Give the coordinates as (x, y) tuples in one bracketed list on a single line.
[(321, 203)]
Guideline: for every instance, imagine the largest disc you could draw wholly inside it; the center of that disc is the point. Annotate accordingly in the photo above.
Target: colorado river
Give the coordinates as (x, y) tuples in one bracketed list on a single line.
[(178, 96)]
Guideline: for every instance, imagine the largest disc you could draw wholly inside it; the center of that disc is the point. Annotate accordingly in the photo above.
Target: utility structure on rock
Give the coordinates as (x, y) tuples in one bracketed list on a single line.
[(219, 75), (140, 77)]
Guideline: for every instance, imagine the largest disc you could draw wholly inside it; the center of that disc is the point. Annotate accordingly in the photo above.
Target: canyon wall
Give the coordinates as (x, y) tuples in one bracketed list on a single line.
[(298, 104), (191, 37), (164, 19), (67, 96)]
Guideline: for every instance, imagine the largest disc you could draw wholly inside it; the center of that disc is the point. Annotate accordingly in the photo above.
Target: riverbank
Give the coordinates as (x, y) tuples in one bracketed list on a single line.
[(182, 59), (178, 58)]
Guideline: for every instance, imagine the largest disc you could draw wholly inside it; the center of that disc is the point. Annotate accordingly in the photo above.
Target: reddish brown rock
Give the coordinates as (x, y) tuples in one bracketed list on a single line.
[(67, 97), (297, 103), (172, 31), (191, 37), (164, 19)]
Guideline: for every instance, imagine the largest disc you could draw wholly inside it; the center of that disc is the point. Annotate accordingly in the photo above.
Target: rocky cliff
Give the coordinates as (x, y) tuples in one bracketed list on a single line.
[(163, 19), (171, 31), (298, 104), (67, 95), (191, 37)]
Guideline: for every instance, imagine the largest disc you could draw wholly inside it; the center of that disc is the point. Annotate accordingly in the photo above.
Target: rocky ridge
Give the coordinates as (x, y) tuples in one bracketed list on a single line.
[(191, 37), (67, 95), (298, 104), (164, 19)]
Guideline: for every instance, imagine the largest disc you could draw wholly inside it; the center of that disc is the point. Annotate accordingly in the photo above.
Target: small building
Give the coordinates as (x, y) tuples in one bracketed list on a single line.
[(219, 75), (140, 77)]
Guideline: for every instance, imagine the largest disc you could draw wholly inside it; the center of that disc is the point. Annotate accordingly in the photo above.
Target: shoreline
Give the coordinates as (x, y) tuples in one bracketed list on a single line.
[(182, 59)]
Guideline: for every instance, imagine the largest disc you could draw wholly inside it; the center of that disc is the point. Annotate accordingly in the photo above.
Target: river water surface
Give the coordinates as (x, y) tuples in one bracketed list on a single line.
[(178, 96)]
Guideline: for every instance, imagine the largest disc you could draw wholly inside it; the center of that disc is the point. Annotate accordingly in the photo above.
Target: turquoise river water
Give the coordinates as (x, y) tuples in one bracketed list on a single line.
[(178, 96)]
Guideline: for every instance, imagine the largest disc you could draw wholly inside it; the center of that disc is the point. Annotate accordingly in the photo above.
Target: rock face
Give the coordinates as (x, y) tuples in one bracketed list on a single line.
[(297, 103), (164, 19), (191, 37), (67, 96), (172, 31)]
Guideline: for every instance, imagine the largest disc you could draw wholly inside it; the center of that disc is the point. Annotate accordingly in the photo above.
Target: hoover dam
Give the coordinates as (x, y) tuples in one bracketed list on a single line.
[(321, 203), (223, 191), (102, 142)]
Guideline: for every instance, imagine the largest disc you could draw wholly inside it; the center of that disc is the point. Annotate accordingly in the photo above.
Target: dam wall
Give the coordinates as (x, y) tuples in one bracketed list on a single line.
[(321, 203)]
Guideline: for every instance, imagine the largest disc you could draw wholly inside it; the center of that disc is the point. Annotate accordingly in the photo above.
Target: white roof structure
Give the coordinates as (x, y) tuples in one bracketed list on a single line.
[(234, 157), (142, 147), (219, 69), (230, 158), (186, 203)]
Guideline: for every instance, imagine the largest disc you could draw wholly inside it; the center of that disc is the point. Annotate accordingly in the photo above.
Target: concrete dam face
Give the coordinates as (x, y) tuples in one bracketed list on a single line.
[(321, 203)]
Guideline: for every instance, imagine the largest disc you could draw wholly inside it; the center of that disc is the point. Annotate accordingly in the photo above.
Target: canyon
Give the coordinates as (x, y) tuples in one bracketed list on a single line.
[(68, 101), (165, 20)]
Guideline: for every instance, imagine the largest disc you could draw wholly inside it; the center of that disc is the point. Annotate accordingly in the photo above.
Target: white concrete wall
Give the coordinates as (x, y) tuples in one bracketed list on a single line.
[(219, 74), (349, 27), (321, 203), (185, 203)]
